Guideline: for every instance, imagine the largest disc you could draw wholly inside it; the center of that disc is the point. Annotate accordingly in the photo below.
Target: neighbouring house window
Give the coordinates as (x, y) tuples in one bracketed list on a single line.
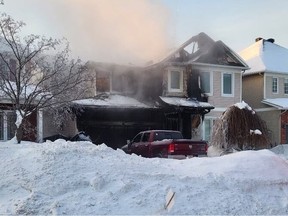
[(274, 84), (205, 83), (7, 71), (286, 86), (175, 80), (1, 126), (227, 84), (11, 127), (7, 125)]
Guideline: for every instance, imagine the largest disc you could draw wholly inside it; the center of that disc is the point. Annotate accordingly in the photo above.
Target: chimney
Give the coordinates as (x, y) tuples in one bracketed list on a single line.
[(258, 39), (271, 40)]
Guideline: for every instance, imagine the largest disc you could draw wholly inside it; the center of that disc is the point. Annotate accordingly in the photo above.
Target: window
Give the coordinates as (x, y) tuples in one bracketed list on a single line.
[(175, 80), (158, 136), (145, 137), (227, 84), (122, 82), (286, 86), (207, 129), (1, 126), (274, 85), (7, 125), (11, 127), (137, 138), (205, 82), (8, 69)]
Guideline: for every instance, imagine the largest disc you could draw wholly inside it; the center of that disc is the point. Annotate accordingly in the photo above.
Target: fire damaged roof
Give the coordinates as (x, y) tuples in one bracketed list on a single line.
[(201, 49)]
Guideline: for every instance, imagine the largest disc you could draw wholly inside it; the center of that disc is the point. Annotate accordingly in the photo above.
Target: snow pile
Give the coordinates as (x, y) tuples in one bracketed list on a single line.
[(281, 150), (244, 105), (79, 178)]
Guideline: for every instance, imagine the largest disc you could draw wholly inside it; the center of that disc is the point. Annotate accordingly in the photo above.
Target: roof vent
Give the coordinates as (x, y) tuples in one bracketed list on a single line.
[(258, 39), (271, 40)]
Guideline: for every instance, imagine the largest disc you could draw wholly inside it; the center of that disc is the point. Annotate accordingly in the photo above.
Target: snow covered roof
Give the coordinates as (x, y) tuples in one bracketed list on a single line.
[(265, 56), (280, 103), (116, 101), (185, 102)]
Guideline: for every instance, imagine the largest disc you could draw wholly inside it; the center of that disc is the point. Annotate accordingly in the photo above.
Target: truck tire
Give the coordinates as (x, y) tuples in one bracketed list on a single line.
[(161, 154)]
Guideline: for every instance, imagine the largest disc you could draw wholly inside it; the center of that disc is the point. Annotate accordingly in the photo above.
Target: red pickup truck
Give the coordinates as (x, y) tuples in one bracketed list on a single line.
[(165, 144)]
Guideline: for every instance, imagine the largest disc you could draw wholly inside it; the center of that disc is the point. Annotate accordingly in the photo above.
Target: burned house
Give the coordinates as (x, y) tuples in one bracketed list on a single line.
[(174, 93)]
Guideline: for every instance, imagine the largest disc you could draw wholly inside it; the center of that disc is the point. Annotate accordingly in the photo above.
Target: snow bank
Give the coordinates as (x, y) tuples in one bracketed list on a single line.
[(281, 150), (80, 178)]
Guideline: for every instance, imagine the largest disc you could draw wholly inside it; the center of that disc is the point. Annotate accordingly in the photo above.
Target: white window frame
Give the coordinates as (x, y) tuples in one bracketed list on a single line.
[(5, 124), (232, 84), (211, 120), (286, 83), (277, 85), (211, 82), (180, 89)]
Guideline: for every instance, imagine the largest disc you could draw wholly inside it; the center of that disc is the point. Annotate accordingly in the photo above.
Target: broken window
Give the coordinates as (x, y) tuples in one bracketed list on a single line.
[(205, 82), (102, 81), (122, 82)]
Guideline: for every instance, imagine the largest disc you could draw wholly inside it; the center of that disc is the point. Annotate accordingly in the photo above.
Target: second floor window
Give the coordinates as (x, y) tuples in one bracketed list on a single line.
[(286, 86), (274, 85), (175, 80), (7, 71), (227, 84), (205, 82)]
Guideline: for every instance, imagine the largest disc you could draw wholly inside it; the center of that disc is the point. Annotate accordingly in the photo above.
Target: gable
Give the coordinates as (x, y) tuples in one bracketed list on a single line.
[(202, 49), (219, 54)]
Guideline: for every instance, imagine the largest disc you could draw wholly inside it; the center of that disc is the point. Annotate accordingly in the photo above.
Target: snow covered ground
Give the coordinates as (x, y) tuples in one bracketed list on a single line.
[(80, 178)]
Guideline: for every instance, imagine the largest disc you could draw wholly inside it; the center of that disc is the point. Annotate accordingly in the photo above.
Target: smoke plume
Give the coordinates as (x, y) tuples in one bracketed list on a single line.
[(126, 31)]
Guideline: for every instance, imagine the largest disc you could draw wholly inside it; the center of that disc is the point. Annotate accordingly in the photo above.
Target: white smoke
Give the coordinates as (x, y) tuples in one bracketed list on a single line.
[(119, 31)]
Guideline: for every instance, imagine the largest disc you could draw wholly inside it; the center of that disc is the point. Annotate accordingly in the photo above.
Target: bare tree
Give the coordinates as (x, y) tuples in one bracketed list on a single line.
[(35, 74)]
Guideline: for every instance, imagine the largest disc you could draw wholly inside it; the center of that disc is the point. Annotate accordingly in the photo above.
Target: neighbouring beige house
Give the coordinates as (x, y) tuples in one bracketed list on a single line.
[(265, 85)]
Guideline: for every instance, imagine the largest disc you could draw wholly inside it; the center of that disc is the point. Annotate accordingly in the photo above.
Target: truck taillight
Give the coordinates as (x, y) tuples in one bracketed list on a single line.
[(171, 148)]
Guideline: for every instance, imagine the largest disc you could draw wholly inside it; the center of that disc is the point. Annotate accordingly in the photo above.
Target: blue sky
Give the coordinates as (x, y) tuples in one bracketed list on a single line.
[(236, 22), (95, 27)]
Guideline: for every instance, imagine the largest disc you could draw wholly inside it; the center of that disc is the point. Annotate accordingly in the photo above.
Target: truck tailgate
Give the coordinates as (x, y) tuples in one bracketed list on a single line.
[(184, 147)]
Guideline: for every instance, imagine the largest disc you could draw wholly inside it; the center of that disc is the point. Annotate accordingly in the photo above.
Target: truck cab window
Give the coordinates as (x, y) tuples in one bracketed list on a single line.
[(145, 137), (137, 138)]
